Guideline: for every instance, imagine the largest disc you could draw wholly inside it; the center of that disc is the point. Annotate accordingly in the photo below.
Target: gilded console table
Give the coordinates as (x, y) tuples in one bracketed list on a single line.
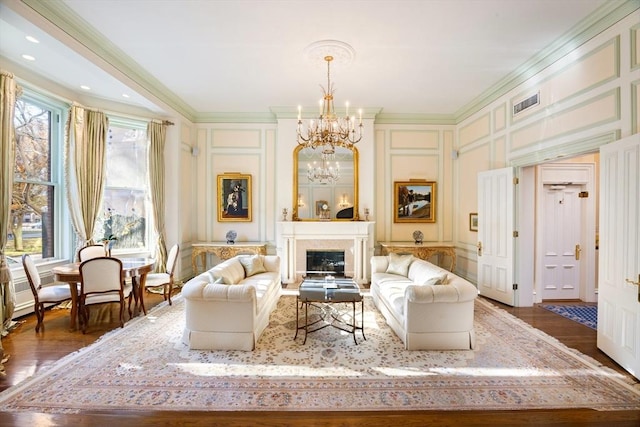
[(223, 251), (422, 251)]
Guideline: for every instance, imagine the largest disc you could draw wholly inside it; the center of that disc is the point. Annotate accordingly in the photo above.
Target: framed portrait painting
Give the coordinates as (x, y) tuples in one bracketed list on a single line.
[(414, 201), (234, 197)]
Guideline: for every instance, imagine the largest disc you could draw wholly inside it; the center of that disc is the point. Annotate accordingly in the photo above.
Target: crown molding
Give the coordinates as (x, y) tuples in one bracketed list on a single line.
[(86, 40), (604, 17), (415, 119), (78, 35), (268, 118)]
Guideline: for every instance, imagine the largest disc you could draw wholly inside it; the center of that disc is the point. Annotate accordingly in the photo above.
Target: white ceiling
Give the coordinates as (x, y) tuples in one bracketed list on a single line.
[(430, 57)]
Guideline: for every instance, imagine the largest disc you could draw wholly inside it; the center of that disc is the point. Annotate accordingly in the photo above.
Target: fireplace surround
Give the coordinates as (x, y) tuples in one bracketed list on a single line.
[(355, 238)]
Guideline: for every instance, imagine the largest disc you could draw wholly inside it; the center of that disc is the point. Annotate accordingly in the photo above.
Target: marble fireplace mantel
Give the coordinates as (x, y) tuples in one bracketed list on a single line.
[(356, 237)]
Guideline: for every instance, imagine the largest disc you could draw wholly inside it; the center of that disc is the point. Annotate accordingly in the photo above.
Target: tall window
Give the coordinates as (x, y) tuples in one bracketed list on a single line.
[(125, 206), (32, 225)]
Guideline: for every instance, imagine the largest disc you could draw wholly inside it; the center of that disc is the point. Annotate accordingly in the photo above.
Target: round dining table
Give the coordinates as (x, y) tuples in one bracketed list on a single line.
[(135, 269)]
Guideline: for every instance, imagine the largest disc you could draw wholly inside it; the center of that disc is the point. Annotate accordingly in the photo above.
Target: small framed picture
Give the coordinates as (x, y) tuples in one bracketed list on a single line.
[(473, 221), (234, 197), (414, 201)]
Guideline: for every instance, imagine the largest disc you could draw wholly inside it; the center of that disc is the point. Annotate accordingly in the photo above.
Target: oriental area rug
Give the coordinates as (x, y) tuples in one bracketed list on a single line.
[(145, 366)]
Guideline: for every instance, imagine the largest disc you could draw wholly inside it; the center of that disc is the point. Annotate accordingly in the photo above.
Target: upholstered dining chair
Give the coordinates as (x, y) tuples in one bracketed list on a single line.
[(91, 251), (43, 295), (165, 279), (101, 282)]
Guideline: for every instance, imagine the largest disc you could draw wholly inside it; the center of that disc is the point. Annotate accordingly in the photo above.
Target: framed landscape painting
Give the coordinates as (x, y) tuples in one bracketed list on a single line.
[(414, 201), (234, 197)]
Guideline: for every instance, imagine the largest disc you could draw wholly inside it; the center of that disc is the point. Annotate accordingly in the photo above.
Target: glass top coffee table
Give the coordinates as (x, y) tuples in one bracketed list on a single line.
[(325, 294)]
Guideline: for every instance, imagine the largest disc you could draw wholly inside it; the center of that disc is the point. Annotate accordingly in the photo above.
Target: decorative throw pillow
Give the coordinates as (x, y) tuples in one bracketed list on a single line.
[(399, 264), (440, 279), (252, 265)]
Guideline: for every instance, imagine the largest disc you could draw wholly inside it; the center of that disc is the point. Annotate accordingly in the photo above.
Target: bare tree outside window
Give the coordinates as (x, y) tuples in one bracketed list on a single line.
[(31, 226)]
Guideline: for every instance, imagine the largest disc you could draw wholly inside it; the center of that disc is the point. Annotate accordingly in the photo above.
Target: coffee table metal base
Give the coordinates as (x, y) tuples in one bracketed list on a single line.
[(330, 315)]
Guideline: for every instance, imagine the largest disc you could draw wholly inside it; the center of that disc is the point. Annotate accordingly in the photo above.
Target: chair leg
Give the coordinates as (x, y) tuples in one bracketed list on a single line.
[(129, 308), (170, 289), (122, 311), (39, 309), (84, 318)]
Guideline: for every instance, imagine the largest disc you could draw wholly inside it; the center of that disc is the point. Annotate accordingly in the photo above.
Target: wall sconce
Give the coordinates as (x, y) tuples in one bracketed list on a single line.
[(300, 202), (344, 201)]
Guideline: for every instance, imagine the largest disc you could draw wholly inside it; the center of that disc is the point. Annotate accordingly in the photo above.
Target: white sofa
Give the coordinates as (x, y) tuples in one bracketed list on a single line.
[(228, 306), (428, 307)]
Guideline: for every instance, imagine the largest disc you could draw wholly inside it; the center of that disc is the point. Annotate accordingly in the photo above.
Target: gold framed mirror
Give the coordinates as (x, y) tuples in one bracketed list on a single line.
[(322, 189)]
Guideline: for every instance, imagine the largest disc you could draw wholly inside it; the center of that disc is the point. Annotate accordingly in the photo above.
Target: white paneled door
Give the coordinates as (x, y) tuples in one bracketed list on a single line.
[(495, 235), (619, 271), (562, 222)]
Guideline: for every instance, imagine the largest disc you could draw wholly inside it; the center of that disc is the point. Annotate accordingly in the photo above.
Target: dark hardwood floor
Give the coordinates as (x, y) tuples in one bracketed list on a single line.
[(31, 352)]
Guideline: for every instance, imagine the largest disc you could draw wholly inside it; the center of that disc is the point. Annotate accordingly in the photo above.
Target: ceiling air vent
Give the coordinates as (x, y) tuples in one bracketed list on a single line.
[(527, 103)]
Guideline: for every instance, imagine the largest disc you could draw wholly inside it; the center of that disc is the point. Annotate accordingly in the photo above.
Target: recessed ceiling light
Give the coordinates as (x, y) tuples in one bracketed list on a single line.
[(28, 57), (124, 95), (85, 87), (32, 39)]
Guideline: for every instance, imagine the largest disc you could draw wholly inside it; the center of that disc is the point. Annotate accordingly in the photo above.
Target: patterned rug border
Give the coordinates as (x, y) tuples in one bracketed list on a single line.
[(626, 382), (568, 312)]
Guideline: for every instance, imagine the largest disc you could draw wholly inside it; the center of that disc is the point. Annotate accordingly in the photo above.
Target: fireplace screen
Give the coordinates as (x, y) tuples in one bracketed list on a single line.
[(323, 262)]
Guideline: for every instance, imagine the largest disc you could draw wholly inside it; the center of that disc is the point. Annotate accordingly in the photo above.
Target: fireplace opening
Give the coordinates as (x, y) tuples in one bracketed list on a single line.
[(322, 262)]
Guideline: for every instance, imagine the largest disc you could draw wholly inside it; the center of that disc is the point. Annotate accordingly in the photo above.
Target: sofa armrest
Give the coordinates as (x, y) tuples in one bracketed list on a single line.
[(202, 290), (459, 291), (379, 263)]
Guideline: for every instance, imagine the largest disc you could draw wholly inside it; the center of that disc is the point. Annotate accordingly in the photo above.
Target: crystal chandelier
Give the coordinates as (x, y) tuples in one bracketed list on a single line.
[(329, 130), (325, 173)]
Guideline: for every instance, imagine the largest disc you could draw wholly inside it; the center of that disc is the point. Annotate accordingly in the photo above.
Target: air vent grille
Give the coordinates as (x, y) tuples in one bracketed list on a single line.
[(527, 103)]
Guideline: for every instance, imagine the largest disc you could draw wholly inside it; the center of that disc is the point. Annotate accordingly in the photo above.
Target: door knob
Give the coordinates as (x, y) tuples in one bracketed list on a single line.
[(635, 283), (479, 248), (578, 250)]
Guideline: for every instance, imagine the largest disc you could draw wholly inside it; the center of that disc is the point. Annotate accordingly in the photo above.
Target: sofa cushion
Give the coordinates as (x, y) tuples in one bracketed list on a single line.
[(231, 271), (399, 264), (393, 294), (252, 264)]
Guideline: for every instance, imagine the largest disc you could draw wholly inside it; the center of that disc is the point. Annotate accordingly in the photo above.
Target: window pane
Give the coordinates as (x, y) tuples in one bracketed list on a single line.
[(31, 220), (124, 217), (31, 225), (127, 158), (125, 203), (33, 142)]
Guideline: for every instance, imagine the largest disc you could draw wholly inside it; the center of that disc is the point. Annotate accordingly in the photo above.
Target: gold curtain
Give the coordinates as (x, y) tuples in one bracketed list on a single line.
[(8, 93), (85, 167), (157, 134)]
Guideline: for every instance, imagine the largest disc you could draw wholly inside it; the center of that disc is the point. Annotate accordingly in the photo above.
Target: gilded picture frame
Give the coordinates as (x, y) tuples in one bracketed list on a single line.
[(414, 201), (234, 197)]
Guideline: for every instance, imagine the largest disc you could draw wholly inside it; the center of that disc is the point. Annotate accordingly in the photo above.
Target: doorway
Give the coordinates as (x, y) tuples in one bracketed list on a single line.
[(565, 230)]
